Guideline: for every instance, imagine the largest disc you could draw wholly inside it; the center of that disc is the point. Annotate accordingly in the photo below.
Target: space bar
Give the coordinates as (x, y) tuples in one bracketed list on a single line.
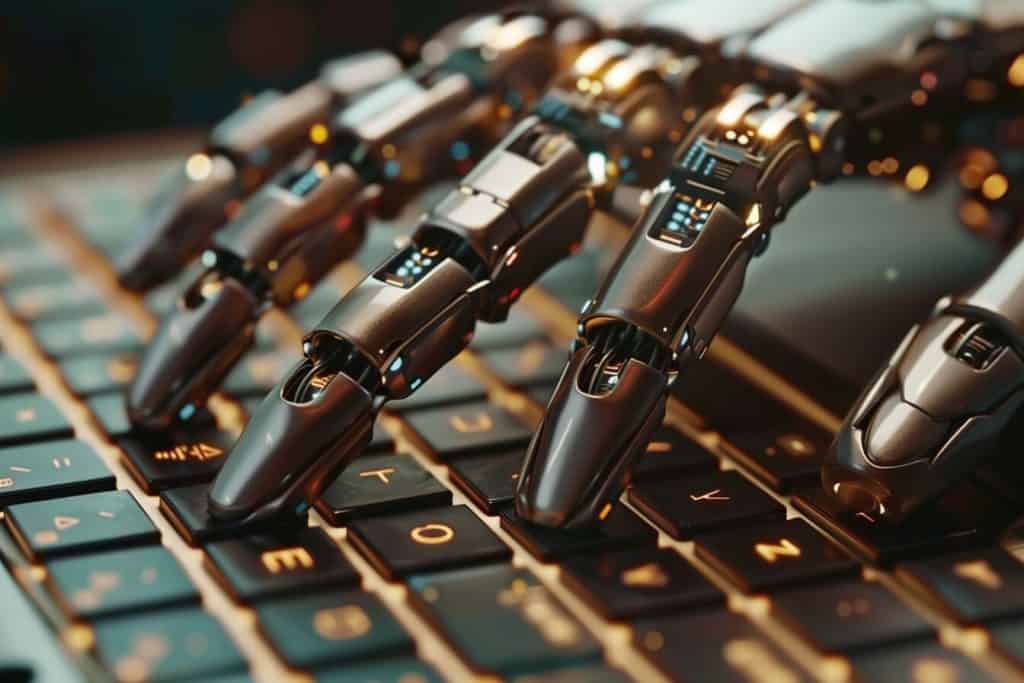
[(29, 651)]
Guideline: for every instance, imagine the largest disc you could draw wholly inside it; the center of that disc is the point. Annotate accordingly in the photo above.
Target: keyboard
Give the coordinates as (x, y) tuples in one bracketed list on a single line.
[(723, 561)]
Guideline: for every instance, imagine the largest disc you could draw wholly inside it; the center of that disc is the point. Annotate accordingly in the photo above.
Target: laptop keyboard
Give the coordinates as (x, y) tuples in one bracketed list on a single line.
[(723, 561)]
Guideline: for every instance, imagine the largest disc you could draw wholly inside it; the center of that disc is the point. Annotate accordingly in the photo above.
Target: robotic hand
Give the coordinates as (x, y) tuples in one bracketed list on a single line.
[(739, 171), (242, 151), (311, 216), (525, 207), (609, 121)]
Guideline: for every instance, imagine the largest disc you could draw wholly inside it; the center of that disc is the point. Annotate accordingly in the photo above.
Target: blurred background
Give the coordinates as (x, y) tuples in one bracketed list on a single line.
[(83, 69)]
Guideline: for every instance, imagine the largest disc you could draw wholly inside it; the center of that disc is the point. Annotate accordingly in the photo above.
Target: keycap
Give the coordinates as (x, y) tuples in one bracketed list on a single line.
[(187, 507), (488, 480), (671, 453), (688, 506), (13, 377), (86, 523), (393, 670), (450, 385), (30, 417), (502, 620), (30, 651), (962, 518), (65, 296), (632, 583), (519, 329), (426, 540), (50, 469), (120, 581), (973, 585), (468, 428), (109, 413), (573, 281), (848, 615), (381, 484), (272, 565), (1008, 638), (714, 645), (924, 662), (621, 528), (179, 644), (595, 673), (534, 363), (99, 372), (90, 334), (178, 457), (778, 446), (772, 554), (29, 264), (332, 627), (381, 440)]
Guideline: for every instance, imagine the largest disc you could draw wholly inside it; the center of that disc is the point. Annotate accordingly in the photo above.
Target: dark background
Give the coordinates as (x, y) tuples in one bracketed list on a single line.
[(95, 67)]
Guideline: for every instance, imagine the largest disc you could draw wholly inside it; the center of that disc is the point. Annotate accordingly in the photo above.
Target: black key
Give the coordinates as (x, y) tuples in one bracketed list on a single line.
[(179, 644), (450, 385), (187, 507), (273, 565), (595, 673), (632, 583), (849, 615), (1008, 638), (779, 447), (162, 461), (120, 581), (381, 484), (91, 334), (519, 329), (30, 417), (502, 620), (671, 453), (714, 645), (488, 480), (536, 363), (79, 524), (426, 540), (259, 372), (68, 296), (468, 428), (973, 586), (620, 528), (393, 670), (28, 265), (918, 662), (13, 377), (100, 372), (773, 554), (50, 469), (328, 628), (684, 507), (574, 280), (541, 395), (963, 517)]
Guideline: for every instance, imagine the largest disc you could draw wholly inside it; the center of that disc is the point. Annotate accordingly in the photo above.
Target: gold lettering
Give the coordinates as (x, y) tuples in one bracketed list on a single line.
[(794, 444), (25, 415), (63, 523), (342, 623), (61, 462), (659, 447), (770, 552), (980, 572), (757, 662), (710, 495), (288, 559), (6, 482), (934, 670), (481, 422), (381, 474), (432, 534), (648, 575), (182, 452)]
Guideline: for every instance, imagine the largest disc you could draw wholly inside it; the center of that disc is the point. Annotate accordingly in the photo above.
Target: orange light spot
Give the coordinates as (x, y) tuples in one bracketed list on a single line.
[(995, 186), (917, 178)]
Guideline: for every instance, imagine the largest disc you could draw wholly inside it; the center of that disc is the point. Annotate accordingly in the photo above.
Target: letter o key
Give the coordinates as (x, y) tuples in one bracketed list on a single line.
[(432, 534)]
